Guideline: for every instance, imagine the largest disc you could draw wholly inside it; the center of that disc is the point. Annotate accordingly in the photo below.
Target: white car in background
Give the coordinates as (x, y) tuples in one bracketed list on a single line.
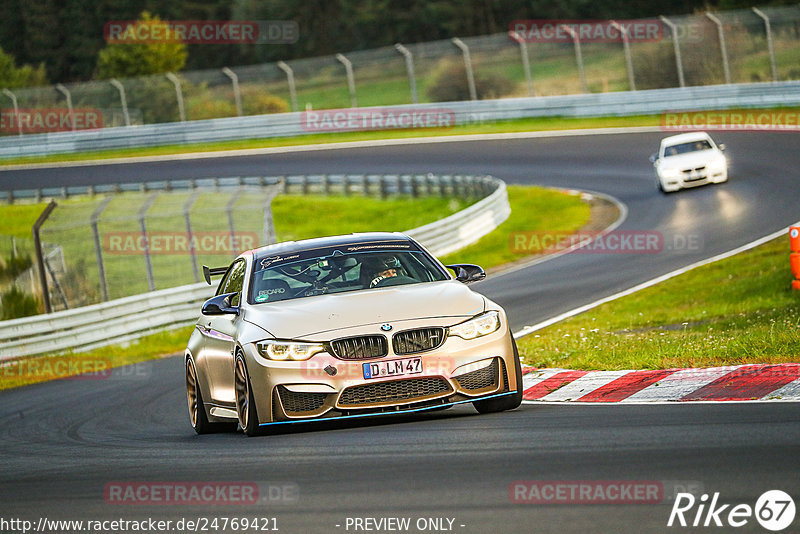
[(689, 160)]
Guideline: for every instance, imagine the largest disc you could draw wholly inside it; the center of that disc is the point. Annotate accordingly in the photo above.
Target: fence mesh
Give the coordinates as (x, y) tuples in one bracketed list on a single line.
[(381, 77)]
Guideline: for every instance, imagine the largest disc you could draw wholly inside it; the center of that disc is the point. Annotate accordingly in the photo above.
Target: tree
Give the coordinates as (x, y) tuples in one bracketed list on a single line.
[(12, 76), (124, 60)]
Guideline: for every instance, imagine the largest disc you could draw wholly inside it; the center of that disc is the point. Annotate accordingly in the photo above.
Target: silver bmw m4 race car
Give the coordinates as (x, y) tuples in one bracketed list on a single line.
[(343, 327)]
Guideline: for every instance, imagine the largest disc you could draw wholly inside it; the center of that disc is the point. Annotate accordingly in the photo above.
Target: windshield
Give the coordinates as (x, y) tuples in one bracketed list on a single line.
[(684, 148), (340, 269)]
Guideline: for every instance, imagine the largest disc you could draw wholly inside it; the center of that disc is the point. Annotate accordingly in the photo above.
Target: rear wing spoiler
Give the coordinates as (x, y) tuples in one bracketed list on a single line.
[(208, 272)]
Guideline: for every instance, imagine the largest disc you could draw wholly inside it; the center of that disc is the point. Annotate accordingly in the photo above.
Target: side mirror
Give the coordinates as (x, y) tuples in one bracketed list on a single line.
[(653, 157), (467, 272), (721, 146), (220, 305)]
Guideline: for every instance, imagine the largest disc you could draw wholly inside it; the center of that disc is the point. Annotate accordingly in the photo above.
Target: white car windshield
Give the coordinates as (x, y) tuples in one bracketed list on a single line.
[(685, 148), (339, 269)]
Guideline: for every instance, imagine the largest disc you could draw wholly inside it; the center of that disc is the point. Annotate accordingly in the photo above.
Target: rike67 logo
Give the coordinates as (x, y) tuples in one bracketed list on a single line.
[(774, 510)]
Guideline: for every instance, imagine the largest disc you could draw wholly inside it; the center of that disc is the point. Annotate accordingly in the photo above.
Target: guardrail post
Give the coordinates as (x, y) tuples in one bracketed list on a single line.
[(63, 90), (770, 44), (13, 98), (412, 78), (229, 212), (37, 245), (526, 67), (326, 185), (98, 249), (578, 56), (473, 94), (626, 45), (290, 79), (723, 49), (677, 47), (178, 95), (187, 218), (364, 185), (351, 81), (383, 190), (123, 100), (237, 94), (148, 263)]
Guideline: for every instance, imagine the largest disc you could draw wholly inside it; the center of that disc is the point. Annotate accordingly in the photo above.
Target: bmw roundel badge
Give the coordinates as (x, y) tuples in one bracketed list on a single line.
[(386, 327)]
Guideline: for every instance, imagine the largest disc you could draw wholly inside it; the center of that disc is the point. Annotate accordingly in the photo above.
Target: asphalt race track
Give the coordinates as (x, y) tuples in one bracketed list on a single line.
[(64, 442)]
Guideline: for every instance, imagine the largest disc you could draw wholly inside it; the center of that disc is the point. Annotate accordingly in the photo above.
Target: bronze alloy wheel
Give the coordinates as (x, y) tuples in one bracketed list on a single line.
[(191, 391), (245, 406), (242, 386)]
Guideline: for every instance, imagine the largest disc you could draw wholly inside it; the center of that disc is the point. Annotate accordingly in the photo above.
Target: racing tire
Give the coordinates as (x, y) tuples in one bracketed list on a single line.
[(245, 404), (506, 402), (197, 412)]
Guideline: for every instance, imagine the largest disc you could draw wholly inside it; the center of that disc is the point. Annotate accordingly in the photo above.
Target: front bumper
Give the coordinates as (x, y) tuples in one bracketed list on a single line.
[(326, 387)]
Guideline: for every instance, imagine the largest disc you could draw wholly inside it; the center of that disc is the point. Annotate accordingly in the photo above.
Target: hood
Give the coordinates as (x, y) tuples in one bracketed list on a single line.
[(689, 160), (305, 317)]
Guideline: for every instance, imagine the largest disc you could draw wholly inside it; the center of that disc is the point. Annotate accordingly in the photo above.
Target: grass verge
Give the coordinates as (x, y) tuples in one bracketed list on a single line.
[(735, 311), (532, 209)]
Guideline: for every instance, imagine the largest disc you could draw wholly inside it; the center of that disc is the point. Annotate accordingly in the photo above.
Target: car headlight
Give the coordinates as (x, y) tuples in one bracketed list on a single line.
[(670, 173), (288, 350), (719, 162), (481, 325)]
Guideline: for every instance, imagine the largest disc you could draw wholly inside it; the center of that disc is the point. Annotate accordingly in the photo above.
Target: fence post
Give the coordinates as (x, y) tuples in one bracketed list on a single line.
[(723, 49), (412, 78), (351, 81), (237, 94), (578, 56), (187, 218), (290, 78), (473, 94), (63, 90), (269, 222), (178, 95), (13, 98), (148, 263), (122, 99), (770, 44), (794, 256), (98, 250), (626, 45), (229, 212), (677, 47), (523, 49), (37, 244)]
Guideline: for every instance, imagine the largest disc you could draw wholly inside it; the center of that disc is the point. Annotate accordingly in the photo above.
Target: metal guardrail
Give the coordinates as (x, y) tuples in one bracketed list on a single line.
[(132, 317), (752, 95)]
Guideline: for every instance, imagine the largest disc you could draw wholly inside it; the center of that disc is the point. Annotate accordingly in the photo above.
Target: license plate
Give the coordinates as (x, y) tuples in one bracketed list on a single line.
[(407, 366)]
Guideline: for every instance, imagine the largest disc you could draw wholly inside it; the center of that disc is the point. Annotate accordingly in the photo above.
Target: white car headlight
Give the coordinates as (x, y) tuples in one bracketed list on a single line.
[(288, 350), (481, 325)]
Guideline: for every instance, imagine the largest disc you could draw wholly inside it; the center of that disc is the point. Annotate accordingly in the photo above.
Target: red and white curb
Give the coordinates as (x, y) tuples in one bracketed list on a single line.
[(756, 382)]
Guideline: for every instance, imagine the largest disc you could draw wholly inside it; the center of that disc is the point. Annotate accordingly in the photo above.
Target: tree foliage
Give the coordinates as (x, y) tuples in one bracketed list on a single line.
[(128, 60), (12, 76)]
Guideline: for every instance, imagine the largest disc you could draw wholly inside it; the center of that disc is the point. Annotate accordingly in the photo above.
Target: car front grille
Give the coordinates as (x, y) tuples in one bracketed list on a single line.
[(698, 173), (359, 348), (394, 391), (481, 379), (419, 340), (295, 402)]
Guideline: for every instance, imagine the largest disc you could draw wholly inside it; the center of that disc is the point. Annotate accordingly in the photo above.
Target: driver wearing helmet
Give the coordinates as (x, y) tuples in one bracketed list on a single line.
[(381, 268)]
